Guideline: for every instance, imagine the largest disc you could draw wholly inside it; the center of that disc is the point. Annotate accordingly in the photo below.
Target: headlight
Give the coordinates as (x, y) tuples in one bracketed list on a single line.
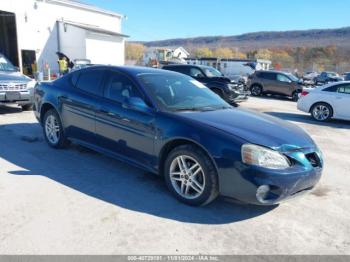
[(264, 157), (31, 84)]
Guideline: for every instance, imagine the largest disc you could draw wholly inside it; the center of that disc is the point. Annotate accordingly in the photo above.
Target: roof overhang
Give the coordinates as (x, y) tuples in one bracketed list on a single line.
[(80, 5), (92, 28)]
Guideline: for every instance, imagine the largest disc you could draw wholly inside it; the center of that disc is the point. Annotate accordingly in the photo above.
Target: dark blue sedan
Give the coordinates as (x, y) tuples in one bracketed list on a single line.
[(172, 125)]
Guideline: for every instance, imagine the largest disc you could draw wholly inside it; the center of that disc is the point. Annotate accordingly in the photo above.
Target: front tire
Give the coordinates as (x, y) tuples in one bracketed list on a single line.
[(191, 176), (27, 107), (256, 90), (322, 112), (53, 130)]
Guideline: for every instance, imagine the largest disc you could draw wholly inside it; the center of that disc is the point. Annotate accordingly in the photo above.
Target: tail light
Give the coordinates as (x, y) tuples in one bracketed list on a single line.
[(304, 93)]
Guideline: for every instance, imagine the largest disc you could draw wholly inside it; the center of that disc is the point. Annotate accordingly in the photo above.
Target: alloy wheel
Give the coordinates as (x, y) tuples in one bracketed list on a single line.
[(52, 129), (256, 90), (321, 112), (187, 177)]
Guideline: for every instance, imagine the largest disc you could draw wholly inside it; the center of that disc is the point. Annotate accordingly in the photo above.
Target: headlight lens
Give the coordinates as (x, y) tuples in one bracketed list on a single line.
[(264, 157), (31, 84)]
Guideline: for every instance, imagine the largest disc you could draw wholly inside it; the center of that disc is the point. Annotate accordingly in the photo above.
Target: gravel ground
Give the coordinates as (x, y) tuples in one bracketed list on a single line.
[(75, 201)]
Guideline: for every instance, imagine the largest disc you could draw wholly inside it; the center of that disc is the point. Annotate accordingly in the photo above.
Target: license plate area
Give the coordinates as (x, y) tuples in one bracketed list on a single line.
[(13, 96)]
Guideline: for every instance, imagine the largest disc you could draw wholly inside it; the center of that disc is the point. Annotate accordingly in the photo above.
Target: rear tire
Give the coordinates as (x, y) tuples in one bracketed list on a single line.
[(321, 112), (27, 107), (191, 176), (295, 96), (256, 90), (53, 130)]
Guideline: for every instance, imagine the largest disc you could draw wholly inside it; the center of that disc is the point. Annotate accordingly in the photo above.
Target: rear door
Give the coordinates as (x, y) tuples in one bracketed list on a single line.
[(268, 80), (78, 107), (127, 132), (342, 101)]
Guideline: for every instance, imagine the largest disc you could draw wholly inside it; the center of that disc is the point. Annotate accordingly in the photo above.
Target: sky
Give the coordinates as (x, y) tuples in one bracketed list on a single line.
[(148, 20)]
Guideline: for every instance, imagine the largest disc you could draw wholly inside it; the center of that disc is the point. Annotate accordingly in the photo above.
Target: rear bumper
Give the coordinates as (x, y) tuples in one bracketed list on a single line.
[(18, 97), (302, 106)]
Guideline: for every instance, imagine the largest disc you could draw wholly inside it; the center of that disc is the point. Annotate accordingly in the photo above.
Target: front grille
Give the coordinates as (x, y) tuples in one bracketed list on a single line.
[(314, 159), (13, 86)]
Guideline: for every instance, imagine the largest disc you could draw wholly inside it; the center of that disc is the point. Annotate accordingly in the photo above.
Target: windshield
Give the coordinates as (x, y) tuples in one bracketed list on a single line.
[(293, 77), (212, 72), (181, 93), (5, 65)]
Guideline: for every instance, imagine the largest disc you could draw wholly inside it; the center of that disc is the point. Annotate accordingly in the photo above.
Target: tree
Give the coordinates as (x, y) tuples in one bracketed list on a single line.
[(134, 51), (223, 53), (263, 54), (203, 52)]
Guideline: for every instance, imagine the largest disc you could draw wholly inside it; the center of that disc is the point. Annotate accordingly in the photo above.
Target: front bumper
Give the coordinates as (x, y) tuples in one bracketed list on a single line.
[(246, 182), (22, 97), (238, 96)]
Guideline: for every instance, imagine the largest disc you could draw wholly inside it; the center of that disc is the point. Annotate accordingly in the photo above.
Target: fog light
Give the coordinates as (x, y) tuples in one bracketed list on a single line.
[(262, 192)]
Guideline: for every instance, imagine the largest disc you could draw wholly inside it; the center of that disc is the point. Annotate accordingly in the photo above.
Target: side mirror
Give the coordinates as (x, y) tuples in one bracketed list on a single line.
[(136, 103), (200, 76)]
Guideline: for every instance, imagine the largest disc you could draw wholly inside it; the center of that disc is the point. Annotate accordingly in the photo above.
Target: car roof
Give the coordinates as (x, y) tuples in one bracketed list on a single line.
[(185, 65), (131, 70), (272, 71)]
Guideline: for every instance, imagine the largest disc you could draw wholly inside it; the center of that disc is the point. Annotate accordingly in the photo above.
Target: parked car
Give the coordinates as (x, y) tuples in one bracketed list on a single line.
[(326, 102), (172, 125), (310, 76), (347, 76), (327, 77), (275, 83), (14, 87), (230, 91)]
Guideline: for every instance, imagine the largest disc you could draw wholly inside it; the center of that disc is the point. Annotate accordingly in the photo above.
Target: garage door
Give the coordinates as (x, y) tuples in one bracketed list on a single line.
[(104, 49)]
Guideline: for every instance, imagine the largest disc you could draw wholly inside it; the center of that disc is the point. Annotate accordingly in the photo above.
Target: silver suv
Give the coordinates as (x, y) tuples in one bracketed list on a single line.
[(15, 87)]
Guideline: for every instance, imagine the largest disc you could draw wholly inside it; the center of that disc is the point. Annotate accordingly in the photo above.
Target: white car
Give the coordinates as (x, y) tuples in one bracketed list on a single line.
[(326, 102)]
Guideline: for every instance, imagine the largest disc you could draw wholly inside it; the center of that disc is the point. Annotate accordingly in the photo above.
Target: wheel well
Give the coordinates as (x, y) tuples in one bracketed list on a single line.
[(173, 144), (44, 108), (256, 84), (322, 103)]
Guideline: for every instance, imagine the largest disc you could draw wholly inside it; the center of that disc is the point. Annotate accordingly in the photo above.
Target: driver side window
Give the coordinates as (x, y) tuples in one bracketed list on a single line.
[(195, 72), (119, 88), (283, 78)]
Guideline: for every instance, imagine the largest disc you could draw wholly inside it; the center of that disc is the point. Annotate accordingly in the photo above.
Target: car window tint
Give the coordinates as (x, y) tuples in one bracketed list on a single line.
[(195, 72), (119, 87), (344, 89), (331, 89), (283, 78), (269, 76), (90, 81), (74, 78)]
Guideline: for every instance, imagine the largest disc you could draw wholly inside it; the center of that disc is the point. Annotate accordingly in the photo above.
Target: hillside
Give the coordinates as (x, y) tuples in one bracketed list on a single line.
[(308, 38)]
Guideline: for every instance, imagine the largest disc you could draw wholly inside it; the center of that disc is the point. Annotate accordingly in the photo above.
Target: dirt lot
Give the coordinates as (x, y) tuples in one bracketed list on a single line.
[(75, 201)]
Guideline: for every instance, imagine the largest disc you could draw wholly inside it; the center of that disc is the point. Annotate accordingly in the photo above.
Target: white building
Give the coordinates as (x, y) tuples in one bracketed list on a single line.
[(34, 30), (181, 53), (233, 67)]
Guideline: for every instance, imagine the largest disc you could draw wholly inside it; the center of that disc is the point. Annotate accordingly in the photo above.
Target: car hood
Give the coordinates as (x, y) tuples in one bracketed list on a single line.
[(13, 77), (254, 127), (220, 79)]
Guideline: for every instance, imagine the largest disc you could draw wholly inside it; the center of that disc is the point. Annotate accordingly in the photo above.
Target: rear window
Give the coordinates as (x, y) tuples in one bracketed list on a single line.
[(265, 75), (90, 81)]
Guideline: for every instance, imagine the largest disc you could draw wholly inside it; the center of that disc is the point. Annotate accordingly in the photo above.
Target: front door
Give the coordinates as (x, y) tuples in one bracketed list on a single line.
[(284, 85), (127, 132)]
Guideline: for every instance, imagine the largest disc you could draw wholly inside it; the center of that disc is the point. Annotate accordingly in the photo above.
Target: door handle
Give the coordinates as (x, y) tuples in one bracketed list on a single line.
[(106, 112), (338, 97), (66, 99)]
